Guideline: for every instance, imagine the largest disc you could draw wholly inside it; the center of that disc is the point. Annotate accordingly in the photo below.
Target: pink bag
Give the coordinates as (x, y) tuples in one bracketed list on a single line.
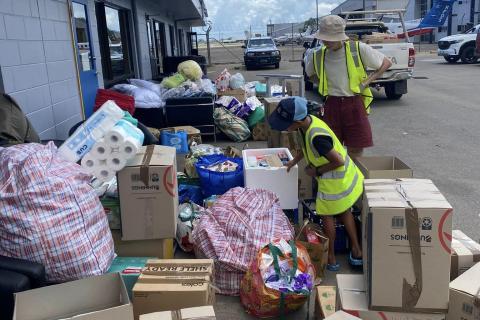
[(238, 225), (50, 214)]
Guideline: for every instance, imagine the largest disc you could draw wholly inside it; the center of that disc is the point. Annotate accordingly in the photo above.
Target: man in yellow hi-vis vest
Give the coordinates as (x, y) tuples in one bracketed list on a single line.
[(340, 182), (339, 66)]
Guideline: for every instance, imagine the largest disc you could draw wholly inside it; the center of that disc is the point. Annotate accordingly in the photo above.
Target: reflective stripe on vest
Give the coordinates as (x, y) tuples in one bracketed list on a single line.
[(337, 174), (339, 196)]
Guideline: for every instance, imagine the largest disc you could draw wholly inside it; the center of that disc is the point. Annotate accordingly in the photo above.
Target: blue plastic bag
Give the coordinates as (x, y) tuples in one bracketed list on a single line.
[(217, 183), (178, 140), (190, 193)]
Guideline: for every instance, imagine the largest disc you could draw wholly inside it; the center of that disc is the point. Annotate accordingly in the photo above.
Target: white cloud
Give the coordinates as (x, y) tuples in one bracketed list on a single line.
[(233, 17)]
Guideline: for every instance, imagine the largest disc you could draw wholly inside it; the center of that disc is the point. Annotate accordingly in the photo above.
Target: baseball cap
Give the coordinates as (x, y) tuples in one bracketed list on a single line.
[(288, 110)]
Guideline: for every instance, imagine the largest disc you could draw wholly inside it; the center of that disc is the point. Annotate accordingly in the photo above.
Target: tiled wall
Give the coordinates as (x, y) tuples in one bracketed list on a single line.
[(37, 64)]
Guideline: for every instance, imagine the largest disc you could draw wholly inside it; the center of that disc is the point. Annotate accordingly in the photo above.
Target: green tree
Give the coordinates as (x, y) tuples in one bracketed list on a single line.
[(312, 23)]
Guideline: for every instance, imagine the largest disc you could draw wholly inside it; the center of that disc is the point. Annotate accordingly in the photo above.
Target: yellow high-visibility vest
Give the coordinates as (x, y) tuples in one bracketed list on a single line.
[(338, 189), (355, 68)]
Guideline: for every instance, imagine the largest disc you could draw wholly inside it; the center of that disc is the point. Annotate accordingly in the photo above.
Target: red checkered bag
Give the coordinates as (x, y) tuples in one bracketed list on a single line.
[(124, 101), (50, 214), (239, 224)]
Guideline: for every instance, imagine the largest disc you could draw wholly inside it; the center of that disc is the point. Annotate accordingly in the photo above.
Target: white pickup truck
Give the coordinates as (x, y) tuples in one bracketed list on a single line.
[(374, 32)]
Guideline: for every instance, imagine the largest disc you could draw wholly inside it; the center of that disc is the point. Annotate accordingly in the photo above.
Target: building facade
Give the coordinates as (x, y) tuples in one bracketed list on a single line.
[(55, 54)]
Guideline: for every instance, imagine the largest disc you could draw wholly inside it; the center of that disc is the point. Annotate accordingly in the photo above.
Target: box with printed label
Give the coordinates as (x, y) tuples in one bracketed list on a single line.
[(158, 248), (200, 313), (97, 298), (130, 269), (325, 302), (148, 194), (173, 284), (383, 167), (352, 298), (465, 296), (465, 253), (407, 227)]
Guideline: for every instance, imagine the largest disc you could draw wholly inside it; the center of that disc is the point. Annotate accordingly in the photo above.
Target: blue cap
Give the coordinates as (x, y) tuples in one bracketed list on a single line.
[(288, 110)]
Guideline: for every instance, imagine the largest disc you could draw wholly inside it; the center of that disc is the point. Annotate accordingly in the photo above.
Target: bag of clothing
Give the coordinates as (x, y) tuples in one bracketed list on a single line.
[(234, 127), (50, 214), (15, 128), (279, 281), (237, 226)]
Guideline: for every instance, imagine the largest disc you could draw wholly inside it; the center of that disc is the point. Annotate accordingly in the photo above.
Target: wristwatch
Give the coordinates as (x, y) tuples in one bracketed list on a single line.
[(319, 174)]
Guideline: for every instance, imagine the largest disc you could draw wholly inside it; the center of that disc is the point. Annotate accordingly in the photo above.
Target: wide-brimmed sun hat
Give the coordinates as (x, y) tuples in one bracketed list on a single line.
[(332, 28)]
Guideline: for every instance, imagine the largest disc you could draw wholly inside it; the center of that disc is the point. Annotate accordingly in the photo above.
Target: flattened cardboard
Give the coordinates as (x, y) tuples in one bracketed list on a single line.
[(341, 315), (173, 284), (465, 253), (97, 298), (201, 313), (465, 296), (159, 248), (352, 298), (325, 301), (407, 228), (383, 167), (148, 194)]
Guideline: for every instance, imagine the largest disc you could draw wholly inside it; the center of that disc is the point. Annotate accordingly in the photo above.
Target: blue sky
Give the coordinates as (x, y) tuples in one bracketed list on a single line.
[(232, 17)]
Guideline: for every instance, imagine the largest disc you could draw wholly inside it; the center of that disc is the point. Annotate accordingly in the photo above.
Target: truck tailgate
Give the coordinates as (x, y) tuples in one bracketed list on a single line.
[(397, 52)]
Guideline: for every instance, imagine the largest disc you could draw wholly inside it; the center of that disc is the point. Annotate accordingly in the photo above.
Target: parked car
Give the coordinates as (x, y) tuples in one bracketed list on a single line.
[(477, 45), (401, 52), (261, 51), (459, 47)]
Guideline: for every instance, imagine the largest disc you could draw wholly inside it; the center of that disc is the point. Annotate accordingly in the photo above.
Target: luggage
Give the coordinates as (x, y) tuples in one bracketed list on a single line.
[(234, 127)]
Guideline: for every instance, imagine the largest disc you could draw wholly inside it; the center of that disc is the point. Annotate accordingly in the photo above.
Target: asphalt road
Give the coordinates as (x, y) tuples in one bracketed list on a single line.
[(434, 128)]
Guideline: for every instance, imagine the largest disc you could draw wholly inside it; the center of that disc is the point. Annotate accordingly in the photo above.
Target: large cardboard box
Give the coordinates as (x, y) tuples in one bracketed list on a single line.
[(325, 301), (383, 167), (158, 248), (465, 253), (239, 94), (293, 87), (96, 298), (200, 313), (273, 136), (275, 179), (148, 194), (465, 296), (318, 252), (407, 225), (173, 284), (352, 298)]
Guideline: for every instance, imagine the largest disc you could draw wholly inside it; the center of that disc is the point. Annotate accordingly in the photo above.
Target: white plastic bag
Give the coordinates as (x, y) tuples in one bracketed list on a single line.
[(237, 81)]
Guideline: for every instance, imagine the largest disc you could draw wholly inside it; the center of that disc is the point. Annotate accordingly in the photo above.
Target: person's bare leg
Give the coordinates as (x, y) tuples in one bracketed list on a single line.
[(347, 219), (329, 229), (354, 153)]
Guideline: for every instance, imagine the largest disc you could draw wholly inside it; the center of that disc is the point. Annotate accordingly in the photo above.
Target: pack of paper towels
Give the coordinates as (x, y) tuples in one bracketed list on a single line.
[(104, 143)]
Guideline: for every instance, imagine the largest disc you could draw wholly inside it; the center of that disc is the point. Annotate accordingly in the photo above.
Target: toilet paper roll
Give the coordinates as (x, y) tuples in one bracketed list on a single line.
[(130, 147), (104, 174), (89, 163), (123, 129), (101, 150), (116, 161)]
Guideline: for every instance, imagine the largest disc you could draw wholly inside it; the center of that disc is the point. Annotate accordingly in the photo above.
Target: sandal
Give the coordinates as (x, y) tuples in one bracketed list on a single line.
[(333, 267), (356, 262)]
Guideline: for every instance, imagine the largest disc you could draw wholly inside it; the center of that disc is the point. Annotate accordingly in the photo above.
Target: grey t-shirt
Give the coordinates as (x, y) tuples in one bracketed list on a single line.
[(336, 68)]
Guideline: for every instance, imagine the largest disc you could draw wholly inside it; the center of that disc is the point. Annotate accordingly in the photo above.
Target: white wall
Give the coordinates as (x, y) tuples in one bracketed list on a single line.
[(37, 64)]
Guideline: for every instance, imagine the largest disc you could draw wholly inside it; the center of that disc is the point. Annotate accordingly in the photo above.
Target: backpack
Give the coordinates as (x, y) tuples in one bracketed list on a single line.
[(15, 128)]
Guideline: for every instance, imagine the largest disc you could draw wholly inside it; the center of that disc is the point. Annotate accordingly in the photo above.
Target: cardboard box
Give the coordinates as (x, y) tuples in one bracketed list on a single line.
[(173, 284), (341, 315), (148, 194), (325, 302), (201, 313), (278, 180), (239, 94), (318, 252), (292, 87), (352, 298), (383, 167), (465, 296), (130, 269), (159, 248), (407, 225), (273, 136), (193, 134), (465, 253), (96, 298)]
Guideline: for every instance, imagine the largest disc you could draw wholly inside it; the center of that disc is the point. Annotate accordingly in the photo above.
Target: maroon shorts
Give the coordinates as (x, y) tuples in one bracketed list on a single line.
[(347, 117)]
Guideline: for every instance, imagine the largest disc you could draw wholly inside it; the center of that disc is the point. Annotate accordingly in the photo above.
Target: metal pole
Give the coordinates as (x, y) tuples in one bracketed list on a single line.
[(209, 56), (316, 1), (292, 44)]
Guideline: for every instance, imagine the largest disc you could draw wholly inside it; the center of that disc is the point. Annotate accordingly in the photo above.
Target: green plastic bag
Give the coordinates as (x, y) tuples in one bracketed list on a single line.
[(173, 81), (256, 116)]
